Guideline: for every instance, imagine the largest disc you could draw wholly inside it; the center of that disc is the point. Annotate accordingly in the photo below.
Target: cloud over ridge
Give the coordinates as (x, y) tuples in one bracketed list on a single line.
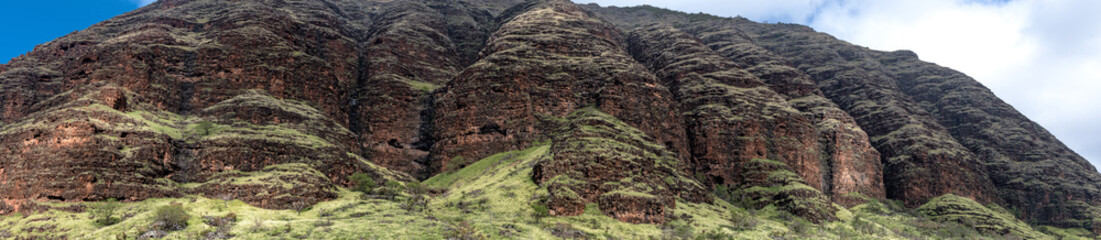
[(1041, 56)]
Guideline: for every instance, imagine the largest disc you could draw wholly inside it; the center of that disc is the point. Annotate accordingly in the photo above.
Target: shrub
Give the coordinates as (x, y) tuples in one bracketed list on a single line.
[(170, 217), (222, 226), (204, 127), (736, 197), (676, 229), (714, 234), (800, 226), (416, 188), (864, 226), (541, 211), (463, 231), (743, 222), (363, 183), (415, 203), (391, 189), (104, 212)]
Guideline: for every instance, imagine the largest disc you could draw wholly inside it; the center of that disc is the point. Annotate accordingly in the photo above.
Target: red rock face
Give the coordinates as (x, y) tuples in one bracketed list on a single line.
[(1033, 171), (411, 54), (732, 110), (116, 111), (595, 158), (276, 102), (546, 61), (852, 164), (912, 144)]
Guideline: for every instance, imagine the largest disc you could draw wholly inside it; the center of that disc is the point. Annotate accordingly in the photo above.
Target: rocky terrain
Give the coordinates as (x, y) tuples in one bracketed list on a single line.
[(503, 119)]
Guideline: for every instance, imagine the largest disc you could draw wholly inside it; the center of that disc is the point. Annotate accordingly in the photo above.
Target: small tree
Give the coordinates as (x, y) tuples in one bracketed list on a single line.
[(204, 127), (392, 189), (541, 211), (416, 188), (363, 183), (104, 212), (170, 217)]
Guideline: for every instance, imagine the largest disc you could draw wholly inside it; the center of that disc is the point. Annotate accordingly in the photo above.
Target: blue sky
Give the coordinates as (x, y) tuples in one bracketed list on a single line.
[(1041, 56), (26, 24)]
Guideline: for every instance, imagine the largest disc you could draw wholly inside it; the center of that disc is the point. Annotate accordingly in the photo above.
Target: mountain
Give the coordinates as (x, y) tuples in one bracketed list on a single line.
[(430, 119)]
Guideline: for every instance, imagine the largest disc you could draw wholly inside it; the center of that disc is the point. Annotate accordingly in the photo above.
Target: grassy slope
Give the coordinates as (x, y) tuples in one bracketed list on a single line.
[(493, 196)]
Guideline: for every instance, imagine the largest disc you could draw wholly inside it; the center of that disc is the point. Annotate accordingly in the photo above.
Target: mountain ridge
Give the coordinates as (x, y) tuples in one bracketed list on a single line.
[(280, 103)]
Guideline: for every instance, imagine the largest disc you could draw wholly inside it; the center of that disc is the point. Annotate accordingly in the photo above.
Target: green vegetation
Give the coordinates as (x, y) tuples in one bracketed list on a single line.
[(104, 212), (361, 182), (988, 219), (491, 201), (203, 128), (170, 217)]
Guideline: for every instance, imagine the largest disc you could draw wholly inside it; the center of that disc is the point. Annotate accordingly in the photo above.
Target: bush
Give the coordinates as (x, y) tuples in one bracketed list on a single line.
[(736, 197), (222, 226), (170, 217), (362, 182), (104, 212), (800, 226), (415, 203), (863, 226), (676, 229), (743, 222), (204, 127), (416, 188), (391, 189), (463, 231), (541, 211)]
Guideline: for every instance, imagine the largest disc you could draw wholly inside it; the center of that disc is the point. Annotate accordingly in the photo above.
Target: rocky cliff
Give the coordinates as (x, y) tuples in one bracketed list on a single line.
[(640, 114)]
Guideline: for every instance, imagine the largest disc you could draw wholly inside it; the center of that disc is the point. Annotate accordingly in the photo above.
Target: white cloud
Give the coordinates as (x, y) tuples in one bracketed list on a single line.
[(1041, 56)]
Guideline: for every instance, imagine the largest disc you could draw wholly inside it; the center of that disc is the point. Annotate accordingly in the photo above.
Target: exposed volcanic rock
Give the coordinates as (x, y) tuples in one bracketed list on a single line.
[(733, 118), (547, 59), (82, 149), (853, 165), (278, 102), (410, 54), (913, 144), (1030, 167), (597, 158), (269, 152), (113, 111)]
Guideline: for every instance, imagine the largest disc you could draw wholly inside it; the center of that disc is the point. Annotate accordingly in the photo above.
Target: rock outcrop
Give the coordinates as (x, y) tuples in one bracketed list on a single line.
[(413, 50), (599, 159), (546, 60), (245, 98), (913, 145), (839, 162), (278, 102)]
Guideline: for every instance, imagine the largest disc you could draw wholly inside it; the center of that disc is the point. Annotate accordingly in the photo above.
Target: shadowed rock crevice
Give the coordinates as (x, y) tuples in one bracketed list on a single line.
[(412, 51)]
